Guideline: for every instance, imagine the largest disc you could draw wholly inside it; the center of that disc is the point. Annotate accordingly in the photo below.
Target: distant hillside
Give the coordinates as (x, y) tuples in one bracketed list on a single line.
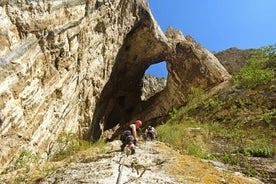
[(233, 58)]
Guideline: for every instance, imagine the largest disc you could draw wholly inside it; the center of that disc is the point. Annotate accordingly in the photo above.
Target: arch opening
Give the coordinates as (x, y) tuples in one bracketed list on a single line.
[(154, 80), (158, 70)]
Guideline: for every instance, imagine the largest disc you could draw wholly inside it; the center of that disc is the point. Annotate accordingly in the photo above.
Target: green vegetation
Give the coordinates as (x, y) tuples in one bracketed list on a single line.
[(268, 117), (237, 138), (69, 144), (24, 161), (232, 159), (260, 149), (180, 138), (236, 123), (173, 113), (20, 179), (259, 68), (47, 168), (195, 94)]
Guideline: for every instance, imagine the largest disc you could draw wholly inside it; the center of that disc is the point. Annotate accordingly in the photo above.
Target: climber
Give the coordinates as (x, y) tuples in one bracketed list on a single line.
[(128, 145), (150, 133), (129, 137)]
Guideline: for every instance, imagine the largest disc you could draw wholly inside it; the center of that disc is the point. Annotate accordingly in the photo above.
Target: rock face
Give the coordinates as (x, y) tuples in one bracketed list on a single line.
[(151, 86), (77, 66), (233, 58), (188, 64)]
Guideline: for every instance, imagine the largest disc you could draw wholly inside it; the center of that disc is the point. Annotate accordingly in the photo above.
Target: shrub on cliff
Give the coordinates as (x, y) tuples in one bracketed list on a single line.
[(259, 69)]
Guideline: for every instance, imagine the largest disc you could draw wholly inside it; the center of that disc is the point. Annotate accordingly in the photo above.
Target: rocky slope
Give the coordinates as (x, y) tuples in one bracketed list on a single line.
[(153, 162), (77, 66)]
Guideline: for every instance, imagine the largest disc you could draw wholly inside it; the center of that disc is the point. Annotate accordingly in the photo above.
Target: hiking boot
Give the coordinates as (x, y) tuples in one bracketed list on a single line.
[(132, 151)]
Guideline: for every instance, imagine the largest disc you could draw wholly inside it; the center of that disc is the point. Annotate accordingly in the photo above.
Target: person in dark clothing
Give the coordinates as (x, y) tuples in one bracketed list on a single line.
[(129, 136), (150, 133)]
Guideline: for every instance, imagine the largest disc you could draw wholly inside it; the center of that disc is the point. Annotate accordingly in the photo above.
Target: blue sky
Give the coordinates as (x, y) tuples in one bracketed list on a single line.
[(217, 24)]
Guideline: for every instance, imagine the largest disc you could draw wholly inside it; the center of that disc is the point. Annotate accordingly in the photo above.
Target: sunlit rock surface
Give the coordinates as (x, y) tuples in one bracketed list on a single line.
[(152, 85), (77, 66), (152, 163)]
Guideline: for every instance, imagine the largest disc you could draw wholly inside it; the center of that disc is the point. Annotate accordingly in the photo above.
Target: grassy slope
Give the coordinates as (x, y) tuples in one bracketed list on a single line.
[(229, 126)]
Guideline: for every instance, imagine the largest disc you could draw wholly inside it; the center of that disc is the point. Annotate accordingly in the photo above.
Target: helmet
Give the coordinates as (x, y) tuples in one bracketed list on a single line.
[(138, 123)]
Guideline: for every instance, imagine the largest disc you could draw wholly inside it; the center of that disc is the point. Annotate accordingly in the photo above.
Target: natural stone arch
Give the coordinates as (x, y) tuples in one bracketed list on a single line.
[(189, 64), (121, 97)]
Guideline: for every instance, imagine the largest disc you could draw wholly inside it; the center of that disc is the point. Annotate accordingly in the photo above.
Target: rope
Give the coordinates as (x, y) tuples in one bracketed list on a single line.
[(120, 168), (127, 152)]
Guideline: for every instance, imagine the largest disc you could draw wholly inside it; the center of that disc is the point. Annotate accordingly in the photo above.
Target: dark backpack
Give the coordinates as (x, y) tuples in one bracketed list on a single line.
[(125, 135), (129, 140)]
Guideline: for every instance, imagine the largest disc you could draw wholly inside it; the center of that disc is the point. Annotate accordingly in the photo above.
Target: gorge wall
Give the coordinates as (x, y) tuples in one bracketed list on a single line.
[(77, 66)]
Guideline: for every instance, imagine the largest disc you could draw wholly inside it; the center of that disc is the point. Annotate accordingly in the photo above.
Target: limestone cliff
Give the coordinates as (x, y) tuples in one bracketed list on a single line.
[(152, 85), (77, 66)]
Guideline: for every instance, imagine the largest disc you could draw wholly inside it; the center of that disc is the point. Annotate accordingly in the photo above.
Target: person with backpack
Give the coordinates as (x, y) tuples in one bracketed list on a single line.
[(129, 137), (150, 133)]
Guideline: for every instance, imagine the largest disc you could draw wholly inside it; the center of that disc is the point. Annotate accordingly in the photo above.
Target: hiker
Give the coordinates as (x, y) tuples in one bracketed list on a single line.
[(150, 133), (129, 136), (128, 142)]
